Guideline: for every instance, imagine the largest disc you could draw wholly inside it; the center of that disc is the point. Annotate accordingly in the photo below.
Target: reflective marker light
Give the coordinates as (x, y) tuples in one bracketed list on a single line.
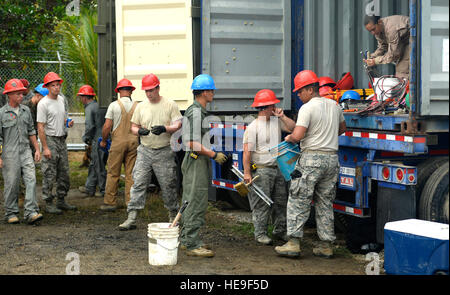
[(400, 174), (386, 172)]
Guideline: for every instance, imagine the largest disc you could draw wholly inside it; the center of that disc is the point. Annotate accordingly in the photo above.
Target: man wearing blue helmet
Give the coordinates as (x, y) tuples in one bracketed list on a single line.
[(39, 92), (195, 167)]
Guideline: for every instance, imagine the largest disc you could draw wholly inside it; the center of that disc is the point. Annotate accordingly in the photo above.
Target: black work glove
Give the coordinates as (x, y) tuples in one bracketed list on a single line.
[(157, 130), (143, 131)]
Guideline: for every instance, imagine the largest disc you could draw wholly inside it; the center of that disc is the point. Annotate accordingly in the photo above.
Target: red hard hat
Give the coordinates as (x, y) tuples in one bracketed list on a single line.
[(86, 90), (51, 77), (265, 97), (13, 85), (346, 82), (304, 78), (25, 82), (124, 83), (325, 90), (149, 81), (326, 81)]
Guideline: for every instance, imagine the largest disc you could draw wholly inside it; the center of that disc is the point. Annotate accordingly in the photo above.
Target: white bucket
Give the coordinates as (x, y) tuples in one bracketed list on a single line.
[(162, 244), (384, 85)]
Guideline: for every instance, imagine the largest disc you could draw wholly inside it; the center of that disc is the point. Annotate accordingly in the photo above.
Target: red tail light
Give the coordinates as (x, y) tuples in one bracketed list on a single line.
[(400, 174), (386, 172)]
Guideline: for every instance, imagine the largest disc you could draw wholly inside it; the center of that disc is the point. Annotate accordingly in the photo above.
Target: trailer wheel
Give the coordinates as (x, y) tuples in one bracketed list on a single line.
[(434, 200), (424, 170)]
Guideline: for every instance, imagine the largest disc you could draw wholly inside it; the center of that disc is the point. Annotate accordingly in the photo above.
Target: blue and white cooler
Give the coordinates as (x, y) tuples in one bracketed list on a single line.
[(416, 247)]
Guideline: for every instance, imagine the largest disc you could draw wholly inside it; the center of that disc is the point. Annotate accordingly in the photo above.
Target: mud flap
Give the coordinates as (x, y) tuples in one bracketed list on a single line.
[(394, 202)]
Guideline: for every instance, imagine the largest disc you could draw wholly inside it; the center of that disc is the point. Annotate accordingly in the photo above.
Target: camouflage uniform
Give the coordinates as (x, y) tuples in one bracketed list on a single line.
[(272, 183), (15, 131), (319, 173), (162, 163), (56, 169)]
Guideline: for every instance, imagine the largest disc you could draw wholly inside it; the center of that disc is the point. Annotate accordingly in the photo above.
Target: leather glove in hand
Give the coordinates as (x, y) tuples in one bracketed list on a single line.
[(220, 158), (157, 130), (143, 131)]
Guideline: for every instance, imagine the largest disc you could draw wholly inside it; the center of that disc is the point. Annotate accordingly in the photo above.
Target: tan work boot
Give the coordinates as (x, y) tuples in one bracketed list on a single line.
[(108, 208), (323, 249), (206, 246), (34, 218), (290, 249), (200, 252), (13, 220), (264, 239), (130, 223)]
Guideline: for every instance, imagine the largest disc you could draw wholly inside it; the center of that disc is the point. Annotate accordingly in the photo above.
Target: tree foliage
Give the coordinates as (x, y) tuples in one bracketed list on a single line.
[(79, 44), (28, 26)]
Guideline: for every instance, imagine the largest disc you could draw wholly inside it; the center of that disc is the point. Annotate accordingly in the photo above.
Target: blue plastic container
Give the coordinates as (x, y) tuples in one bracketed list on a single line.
[(287, 154), (416, 247)]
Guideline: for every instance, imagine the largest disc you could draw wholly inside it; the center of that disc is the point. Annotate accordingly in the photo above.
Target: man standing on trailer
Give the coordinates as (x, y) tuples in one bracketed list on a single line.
[(392, 34), (154, 120), (319, 124), (261, 135)]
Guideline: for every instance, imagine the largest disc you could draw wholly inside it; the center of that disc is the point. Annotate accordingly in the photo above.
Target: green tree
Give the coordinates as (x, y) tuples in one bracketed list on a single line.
[(28, 27), (79, 44)]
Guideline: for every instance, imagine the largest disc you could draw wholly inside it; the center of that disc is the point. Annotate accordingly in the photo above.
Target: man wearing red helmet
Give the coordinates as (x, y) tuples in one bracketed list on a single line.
[(261, 135), (123, 144), (16, 134), (319, 124), (92, 131), (52, 115), (154, 120)]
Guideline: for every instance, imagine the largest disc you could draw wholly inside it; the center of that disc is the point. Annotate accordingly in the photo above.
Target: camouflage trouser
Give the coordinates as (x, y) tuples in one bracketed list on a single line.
[(319, 173), (96, 171), (272, 183), (14, 166), (55, 169), (162, 163)]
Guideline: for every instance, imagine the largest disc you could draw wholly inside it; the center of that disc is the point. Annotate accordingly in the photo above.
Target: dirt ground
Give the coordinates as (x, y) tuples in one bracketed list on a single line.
[(103, 249)]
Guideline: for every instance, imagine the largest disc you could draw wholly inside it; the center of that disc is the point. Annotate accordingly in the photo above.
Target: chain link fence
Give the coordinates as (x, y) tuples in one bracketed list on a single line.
[(35, 73)]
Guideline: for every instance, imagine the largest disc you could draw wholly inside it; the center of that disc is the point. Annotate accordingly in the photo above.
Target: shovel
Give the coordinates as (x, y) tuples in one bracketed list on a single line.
[(175, 221)]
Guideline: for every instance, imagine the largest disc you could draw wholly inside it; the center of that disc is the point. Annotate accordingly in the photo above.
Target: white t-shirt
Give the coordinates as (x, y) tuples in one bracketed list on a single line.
[(52, 113), (149, 114), (114, 111), (321, 116), (262, 135)]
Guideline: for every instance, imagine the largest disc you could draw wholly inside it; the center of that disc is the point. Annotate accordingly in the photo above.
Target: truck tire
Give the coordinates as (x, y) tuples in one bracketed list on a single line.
[(434, 200), (424, 170)]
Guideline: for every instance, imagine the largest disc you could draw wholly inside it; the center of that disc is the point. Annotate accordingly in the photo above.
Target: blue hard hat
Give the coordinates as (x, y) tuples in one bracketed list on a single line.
[(203, 82), (350, 94), (41, 90)]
